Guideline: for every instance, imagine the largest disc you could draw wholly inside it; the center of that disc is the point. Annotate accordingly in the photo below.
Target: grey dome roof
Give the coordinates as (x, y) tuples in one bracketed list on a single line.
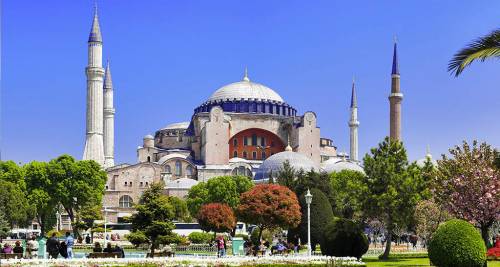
[(181, 183), (149, 137), (177, 125), (336, 165), (274, 163), (245, 90)]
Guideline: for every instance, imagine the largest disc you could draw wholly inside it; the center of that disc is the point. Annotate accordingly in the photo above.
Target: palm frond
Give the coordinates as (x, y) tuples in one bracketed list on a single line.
[(481, 49)]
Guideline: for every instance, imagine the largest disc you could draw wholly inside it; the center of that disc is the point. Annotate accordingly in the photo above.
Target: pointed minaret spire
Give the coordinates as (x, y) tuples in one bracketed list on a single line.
[(245, 78), (108, 83), (395, 62), (354, 101), (94, 144), (395, 98), (353, 124), (109, 120), (95, 31)]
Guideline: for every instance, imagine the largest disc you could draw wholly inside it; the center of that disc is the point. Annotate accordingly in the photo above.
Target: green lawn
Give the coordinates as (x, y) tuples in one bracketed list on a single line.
[(374, 262)]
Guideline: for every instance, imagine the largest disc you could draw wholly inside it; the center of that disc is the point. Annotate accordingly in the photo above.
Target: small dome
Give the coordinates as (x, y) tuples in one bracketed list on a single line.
[(149, 137), (245, 90), (274, 164), (337, 165), (421, 162), (181, 183), (177, 125)]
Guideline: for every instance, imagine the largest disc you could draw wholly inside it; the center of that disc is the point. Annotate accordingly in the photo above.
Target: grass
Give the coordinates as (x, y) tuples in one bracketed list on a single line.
[(375, 262)]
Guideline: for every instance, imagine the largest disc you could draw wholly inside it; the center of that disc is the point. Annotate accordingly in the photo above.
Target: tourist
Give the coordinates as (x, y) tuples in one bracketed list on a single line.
[(70, 241), (119, 250), (221, 247), (18, 249), (63, 249), (32, 248), (97, 247), (53, 246), (108, 248), (7, 249), (247, 246), (87, 239)]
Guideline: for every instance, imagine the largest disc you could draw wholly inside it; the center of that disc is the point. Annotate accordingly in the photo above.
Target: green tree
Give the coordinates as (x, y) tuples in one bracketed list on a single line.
[(222, 189), (41, 194), (321, 215), (14, 204), (344, 238), (481, 49), (181, 212), (4, 226), (79, 184), (348, 188), (391, 187), (152, 224)]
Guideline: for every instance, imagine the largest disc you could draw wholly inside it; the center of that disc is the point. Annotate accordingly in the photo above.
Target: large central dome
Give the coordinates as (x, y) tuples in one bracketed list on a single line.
[(245, 90)]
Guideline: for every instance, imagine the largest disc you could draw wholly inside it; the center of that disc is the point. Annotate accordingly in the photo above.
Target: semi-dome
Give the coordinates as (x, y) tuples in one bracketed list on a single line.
[(245, 90), (177, 125), (337, 165), (274, 164)]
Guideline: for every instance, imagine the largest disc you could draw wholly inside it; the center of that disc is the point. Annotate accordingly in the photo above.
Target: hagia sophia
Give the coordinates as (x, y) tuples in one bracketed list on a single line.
[(243, 128)]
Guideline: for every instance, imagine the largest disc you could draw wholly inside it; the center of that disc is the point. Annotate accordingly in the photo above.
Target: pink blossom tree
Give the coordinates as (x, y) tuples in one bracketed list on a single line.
[(468, 185)]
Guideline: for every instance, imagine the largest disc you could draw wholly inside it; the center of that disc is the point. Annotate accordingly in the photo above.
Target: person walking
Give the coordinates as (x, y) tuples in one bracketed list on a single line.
[(32, 248), (70, 241), (53, 247), (63, 249)]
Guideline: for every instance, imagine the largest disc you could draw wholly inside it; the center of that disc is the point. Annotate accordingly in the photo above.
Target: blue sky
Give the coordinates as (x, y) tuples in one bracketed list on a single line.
[(167, 57)]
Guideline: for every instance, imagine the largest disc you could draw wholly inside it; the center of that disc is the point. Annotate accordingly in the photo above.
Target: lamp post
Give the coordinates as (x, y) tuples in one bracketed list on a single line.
[(106, 210), (58, 222), (308, 197)]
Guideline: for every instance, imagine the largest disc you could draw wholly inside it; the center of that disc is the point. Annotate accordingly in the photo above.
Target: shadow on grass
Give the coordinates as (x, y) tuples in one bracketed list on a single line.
[(374, 262)]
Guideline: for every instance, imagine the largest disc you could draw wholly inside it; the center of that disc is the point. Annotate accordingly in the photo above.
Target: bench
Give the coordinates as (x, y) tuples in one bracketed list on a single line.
[(162, 254), (95, 255), (5, 256)]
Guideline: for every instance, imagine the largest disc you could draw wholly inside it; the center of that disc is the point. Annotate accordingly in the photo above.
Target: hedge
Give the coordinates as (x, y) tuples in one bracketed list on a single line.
[(457, 243)]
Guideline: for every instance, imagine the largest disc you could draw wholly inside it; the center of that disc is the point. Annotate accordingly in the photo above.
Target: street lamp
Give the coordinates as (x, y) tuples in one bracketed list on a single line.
[(309, 198), (58, 222), (106, 210)]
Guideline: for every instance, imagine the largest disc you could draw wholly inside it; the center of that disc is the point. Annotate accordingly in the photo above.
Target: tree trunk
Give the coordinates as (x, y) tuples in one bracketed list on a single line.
[(261, 229), (388, 242), (152, 253), (485, 235)]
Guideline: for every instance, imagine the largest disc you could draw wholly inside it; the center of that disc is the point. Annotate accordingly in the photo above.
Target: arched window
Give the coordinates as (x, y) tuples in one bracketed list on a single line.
[(125, 201), (241, 170), (263, 155), (189, 171), (254, 155), (235, 154), (235, 142), (149, 159), (168, 169), (244, 154), (178, 168)]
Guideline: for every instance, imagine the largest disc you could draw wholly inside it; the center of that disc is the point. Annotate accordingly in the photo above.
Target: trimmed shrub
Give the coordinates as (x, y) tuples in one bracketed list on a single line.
[(456, 243), (344, 238), (200, 237)]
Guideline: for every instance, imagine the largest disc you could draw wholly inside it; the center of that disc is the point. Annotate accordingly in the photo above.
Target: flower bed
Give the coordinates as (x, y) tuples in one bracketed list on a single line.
[(298, 261)]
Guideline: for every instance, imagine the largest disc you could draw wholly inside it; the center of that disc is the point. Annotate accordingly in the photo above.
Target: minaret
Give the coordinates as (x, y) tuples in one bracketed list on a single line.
[(109, 120), (94, 148), (395, 98), (354, 124)]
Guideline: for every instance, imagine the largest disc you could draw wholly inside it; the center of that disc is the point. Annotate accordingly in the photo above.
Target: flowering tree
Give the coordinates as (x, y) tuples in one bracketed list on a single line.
[(216, 217), (269, 206), (428, 216), (468, 185)]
